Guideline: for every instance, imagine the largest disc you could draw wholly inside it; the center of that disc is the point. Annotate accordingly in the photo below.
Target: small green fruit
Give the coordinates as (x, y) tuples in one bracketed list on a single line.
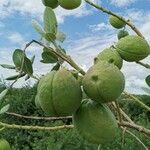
[(50, 3), (69, 4), (59, 93), (4, 145), (103, 82), (95, 122), (110, 55), (116, 23), (133, 48), (122, 33)]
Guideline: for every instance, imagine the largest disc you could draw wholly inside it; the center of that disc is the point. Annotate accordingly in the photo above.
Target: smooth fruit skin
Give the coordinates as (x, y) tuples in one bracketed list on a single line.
[(103, 82), (122, 34), (37, 103), (116, 23), (59, 93), (133, 48), (50, 3), (110, 55), (4, 145), (69, 4), (95, 122)]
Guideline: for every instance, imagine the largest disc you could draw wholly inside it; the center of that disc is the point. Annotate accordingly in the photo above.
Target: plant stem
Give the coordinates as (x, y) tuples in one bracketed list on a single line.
[(37, 118), (135, 127), (25, 127), (63, 56), (119, 17), (143, 64)]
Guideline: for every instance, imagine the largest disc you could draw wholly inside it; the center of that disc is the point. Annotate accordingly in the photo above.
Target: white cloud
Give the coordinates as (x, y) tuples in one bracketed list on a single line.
[(35, 8), (16, 38), (100, 27), (122, 3)]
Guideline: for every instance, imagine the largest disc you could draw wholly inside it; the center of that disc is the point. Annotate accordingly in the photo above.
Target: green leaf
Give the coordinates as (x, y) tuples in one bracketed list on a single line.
[(38, 28), (3, 94), (148, 80), (50, 22), (32, 59), (56, 67), (15, 76), (60, 36), (50, 36), (27, 77), (7, 66), (49, 57), (18, 56), (27, 67), (5, 109)]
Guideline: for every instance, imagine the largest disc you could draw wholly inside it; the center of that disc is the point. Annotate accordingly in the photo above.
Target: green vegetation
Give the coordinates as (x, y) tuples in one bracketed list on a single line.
[(22, 101)]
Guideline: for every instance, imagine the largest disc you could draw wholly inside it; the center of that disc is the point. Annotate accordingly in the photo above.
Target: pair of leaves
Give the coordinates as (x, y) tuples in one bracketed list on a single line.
[(22, 62), (50, 31)]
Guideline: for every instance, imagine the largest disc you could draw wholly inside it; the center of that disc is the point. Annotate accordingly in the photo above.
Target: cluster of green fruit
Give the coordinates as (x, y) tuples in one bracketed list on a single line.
[(66, 4), (59, 92), (4, 145)]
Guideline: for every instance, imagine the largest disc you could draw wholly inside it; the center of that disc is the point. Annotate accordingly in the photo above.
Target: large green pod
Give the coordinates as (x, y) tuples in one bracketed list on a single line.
[(110, 55), (59, 93), (69, 4), (50, 3), (4, 145), (133, 48), (95, 122), (103, 82), (116, 23)]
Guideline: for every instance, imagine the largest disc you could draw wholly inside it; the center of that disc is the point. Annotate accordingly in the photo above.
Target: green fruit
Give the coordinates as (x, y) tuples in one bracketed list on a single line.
[(103, 82), (50, 3), (133, 48), (59, 93), (122, 33), (95, 122), (69, 4), (116, 23), (4, 145), (110, 55)]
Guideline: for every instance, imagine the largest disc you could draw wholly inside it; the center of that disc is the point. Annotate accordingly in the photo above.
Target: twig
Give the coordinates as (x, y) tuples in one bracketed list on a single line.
[(118, 111), (37, 118), (99, 147), (135, 127), (123, 114), (123, 139), (25, 127), (123, 123), (63, 56), (119, 17), (138, 101), (143, 64)]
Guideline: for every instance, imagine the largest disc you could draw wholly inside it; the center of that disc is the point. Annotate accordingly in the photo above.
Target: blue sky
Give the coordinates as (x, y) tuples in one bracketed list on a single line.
[(88, 32)]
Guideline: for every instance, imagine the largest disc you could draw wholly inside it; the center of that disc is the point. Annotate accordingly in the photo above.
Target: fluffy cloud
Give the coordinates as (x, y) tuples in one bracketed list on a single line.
[(122, 3), (35, 9)]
